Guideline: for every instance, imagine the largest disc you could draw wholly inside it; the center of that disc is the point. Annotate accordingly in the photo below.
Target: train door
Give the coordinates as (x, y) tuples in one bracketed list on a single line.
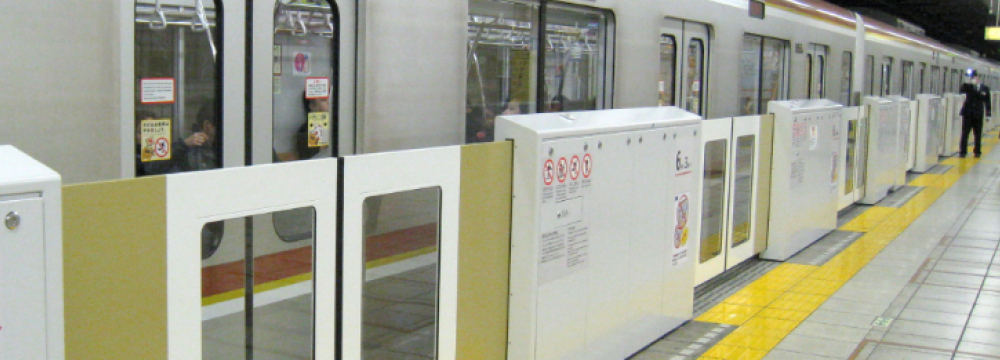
[(715, 139), (693, 54), (743, 190), (816, 60)]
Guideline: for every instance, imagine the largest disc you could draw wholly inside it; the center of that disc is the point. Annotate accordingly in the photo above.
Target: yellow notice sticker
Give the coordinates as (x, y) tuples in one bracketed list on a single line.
[(155, 140), (319, 129)]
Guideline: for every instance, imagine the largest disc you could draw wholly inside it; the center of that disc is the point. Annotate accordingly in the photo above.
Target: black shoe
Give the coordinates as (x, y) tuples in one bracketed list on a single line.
[(979, 155), (962, 154)]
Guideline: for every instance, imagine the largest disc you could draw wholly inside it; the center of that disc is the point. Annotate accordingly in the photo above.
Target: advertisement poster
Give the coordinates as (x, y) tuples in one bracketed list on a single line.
[(682, 227)]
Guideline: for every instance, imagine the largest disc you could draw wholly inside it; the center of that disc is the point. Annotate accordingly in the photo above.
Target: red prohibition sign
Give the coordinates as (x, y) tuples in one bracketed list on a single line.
[(548, 172), (588, 164), (162, 147), (562, 170), (574, 167)]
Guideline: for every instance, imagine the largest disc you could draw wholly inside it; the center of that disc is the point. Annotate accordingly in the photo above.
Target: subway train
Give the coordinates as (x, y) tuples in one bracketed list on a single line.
[(122, 89)]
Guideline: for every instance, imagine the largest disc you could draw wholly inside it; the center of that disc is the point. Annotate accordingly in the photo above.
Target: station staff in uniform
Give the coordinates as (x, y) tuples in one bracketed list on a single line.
[(977, 99)]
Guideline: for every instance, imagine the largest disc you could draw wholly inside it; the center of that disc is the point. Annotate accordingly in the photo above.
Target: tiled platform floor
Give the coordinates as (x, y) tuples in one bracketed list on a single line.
[(921, 282)]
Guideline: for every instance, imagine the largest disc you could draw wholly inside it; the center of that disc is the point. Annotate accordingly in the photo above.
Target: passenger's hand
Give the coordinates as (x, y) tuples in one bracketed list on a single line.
[(196, 139)]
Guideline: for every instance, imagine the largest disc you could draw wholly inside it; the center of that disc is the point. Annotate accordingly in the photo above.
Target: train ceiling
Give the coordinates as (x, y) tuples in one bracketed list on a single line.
[(954, 22)]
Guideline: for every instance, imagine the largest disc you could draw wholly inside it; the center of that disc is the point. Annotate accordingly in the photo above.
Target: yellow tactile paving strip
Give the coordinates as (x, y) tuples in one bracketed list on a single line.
[(771, 307)]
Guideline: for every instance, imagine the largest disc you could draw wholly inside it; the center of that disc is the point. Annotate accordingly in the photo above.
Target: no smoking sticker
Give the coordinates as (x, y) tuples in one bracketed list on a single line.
[(574, 167), (548, 172), (588, 164), (562, 170)]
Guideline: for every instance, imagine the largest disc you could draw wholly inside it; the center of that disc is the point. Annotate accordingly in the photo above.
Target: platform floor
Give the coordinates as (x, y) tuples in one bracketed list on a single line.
[(916, 276)]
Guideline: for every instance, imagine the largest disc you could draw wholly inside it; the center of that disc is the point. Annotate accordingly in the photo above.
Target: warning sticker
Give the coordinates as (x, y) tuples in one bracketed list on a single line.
[(319, 129), (302, 63), (548, 172), (682, 205), (156, 91), (588, 164), (155, 140), (813, 137), (562, 169), (317, 88), (574, 167)]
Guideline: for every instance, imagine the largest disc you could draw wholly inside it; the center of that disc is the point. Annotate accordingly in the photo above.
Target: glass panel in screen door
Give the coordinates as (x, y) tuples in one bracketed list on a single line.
[(743, 189), (852, 143), (304, 123), (177, 89), (713, 205), (257, 300), (401, 275), (501, 40), (693, 81)]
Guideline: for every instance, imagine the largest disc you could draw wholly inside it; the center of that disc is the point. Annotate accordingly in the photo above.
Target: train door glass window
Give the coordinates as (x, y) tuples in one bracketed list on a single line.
[(852, 143), (935, 72), (177, 86), (305, 80), (906, 85), (922, 77), (821, 73), (742, 189), (402, 259), (713, 201), (886, 76), (694, 76), (668, 69), (501, 61), (809, 76), (846, 72), (749, 98), (773, 72), (870, 75), (574, 58), (944, 82), (257, 294), (956, 80)]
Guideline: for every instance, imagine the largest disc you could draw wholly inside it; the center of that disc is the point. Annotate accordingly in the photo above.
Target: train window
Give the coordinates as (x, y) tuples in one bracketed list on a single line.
[(846, 72), (693, 75), (502, 44), (749, 98), (906, 85), (742, 189), (809, 77), (956, 80), (668, 69), (177, 87), (886, 76), (944, 82), (574, 58), (402, 260), (821, 82), (305, 74), (248, 283), (713, 200), (773, 72), (870, 75)]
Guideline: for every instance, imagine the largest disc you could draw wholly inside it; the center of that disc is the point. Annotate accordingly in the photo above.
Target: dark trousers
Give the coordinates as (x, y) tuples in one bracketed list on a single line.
[(976, 126)]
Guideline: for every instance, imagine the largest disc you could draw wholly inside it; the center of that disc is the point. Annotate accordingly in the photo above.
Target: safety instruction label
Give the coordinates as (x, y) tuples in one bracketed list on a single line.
[(682, 232), (156, 91), (155, 140), (317, 88), (798, 173), (563, 251), (319, 129)]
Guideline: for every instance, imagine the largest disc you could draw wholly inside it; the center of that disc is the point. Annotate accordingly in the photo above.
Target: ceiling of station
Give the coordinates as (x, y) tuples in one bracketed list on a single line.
[(954, 22)]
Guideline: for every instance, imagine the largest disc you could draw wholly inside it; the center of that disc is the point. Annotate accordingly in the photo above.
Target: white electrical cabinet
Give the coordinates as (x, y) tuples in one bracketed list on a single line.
[(881, 165), (904, 117), (805, 175), (953, 123), (31, 291), (605, 214), (929, 124)]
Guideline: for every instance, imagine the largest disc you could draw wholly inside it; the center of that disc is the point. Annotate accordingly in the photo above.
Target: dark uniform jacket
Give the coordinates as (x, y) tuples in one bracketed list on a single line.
[(977, 98)]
